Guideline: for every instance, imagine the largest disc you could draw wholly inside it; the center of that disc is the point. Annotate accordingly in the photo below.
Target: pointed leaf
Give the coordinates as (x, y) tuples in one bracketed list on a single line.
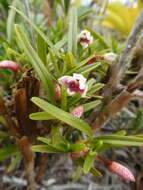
[(63, 116)]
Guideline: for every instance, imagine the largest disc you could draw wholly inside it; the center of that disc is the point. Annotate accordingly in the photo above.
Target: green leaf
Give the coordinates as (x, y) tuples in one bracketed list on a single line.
[(45, 148), (95, 88), (121, 133), (77, 147), (79, 65), (14, 163), (3, 135), (63, 116), (42, 49), (120, 140), (97, 147), (44, 140), (72, 32), (80, 161), (137, 123), (95, 172), (118, 137), (83, 13), (41, 116), (123, 143), (36, 62), (58, 140), (10, 21), (35, 27), (88, 163), (77, 175), (66, 5), (70, 60), (8, 151), (88, 68), (91, 105), (54, 61), (64, 98)]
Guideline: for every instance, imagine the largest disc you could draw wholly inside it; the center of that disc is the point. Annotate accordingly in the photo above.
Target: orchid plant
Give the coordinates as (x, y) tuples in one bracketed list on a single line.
[(72, 73)]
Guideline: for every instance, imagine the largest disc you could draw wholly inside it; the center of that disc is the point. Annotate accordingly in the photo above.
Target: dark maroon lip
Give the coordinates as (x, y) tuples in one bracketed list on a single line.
[(74, 86), (85, 40)]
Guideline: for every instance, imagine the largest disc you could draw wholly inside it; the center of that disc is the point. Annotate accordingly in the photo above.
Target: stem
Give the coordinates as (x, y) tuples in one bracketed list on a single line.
[(108, 162), (29, 160)]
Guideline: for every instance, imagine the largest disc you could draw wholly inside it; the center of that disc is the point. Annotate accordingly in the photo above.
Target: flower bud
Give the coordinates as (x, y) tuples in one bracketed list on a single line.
[(110, 57), (78, 111), (118, 169), (79, 154), (7, 64), (57, 92), (121, 171)]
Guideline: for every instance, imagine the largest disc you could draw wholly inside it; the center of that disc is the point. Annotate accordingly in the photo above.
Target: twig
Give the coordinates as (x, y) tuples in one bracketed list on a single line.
[(10, 123), (118, 70), (119, 102), (111, 109), (29, 157), (42, 166)]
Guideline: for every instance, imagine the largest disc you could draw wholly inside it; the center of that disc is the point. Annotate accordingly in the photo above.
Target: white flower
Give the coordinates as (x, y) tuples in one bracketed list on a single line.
[(75, 83), (85, 38), (111, 57)]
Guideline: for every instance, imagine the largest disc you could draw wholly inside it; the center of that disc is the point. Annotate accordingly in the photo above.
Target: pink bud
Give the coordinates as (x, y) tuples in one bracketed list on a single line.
[(7, 64), (121, 171), (79, 154), (78, 111), (57, 92)]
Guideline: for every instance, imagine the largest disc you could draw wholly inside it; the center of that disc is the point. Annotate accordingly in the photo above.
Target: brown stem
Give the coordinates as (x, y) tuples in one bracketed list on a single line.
[(10, 123), (42, 166), (118, 70), (48, 4), (111, 109), (29, 160), (108, 162)]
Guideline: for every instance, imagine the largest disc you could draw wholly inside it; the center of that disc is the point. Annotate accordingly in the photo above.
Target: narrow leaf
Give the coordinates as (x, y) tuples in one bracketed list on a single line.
[(36, 62), (91, 105), (72, 33), (41, 116), (63, 116)]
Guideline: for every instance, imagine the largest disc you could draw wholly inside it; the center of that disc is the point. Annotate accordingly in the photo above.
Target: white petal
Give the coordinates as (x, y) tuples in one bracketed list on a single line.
[(84, 45), (64, 79), (85, 91), (82, 80), (70, 92)]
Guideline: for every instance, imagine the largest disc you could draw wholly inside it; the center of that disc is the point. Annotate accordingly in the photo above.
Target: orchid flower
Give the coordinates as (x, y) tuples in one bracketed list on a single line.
[(74, 84), (85, 38)]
